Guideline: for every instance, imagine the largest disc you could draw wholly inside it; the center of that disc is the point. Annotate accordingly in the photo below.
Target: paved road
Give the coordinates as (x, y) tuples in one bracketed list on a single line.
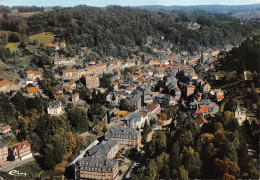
[(85, 134), (14, 164), (115, 124), (41, 91)]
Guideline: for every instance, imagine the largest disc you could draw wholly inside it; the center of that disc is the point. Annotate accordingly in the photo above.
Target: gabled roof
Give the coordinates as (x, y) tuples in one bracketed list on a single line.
[(220, 97), (144, 114), (5, 127), (103, 148), (61, 59), (4, 82), (20, 145), (202, 110), (29, 72), (51, 45), (31, 90), (99, 164), (152, 107)]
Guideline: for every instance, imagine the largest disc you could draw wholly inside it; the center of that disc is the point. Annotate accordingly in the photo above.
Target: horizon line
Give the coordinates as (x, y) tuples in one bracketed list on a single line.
[(133, 5)]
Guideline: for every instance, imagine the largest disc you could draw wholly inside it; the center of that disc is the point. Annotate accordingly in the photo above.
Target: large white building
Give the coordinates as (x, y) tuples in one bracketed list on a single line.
[(54, 108), (240, 114), (136, 120)]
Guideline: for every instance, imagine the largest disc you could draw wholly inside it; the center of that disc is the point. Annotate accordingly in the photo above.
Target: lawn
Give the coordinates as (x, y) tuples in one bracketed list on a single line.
[(12, 46), (8, 75), (44, 38), (10, 140)]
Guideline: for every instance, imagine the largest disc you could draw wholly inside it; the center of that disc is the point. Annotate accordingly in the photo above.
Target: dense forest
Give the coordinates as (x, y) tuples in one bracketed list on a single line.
[(183, 151), (245, 57), (112, 30)]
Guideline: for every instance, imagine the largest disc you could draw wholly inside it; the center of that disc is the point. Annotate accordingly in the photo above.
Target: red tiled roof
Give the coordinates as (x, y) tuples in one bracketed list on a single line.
[(202, 110), (20, 145), (76, 94), (51, 45), (220, 97), (152, 107), (31, 89), (144, 114), (5, 127), (3, 82)]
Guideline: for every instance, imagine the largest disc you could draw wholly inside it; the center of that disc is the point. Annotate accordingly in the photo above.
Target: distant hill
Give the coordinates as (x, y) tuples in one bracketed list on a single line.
[(250, 12), (217, 8)]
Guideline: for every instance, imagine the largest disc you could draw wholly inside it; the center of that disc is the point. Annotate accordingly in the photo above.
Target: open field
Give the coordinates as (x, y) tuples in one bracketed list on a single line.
[(27, 14), (3, 65), (44, 38), (4, 32), (12, 46), (8, 75)]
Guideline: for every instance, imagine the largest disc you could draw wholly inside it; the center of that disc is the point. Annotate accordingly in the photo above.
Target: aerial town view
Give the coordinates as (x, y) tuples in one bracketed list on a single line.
[(129, 90)]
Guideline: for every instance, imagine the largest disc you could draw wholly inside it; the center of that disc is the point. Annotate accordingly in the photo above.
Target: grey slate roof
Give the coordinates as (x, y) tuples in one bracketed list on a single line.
[(95, 164), (54, 104), (136, 95), (135, 116), (103, 148), (239, 109), (122, 132)]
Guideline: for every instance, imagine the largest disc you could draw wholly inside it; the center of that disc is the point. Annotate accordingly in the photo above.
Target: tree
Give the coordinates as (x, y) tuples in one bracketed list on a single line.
[(226, 166), (125, 105), (19, 102), (84, 93), (11, 157), (35, 142), (175, 156), (41, 60), (183, 173), (48, 161), (78, 119), (13, 37), (23, 45), (158, 144), (59, 148), (163, 117), (191, 161), (71, 144), (228, 177)]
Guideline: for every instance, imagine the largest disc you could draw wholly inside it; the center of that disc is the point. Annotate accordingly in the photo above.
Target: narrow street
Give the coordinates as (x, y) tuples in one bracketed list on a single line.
[(14, 164), (41, 91)]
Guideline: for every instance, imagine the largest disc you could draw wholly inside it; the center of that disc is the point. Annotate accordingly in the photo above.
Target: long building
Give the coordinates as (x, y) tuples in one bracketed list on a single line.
[(127, 138), (92, 167)]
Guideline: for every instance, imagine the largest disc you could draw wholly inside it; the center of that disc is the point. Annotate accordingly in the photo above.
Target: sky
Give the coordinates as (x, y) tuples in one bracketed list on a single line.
[(103, 3)]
